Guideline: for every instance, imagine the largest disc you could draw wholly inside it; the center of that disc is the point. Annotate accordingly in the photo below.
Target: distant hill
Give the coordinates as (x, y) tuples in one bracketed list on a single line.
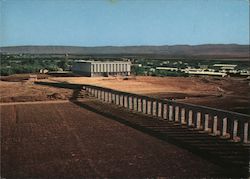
[(209, 50)]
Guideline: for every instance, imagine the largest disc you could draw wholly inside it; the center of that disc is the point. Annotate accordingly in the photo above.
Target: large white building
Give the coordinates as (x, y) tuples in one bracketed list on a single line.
[(102, 68)]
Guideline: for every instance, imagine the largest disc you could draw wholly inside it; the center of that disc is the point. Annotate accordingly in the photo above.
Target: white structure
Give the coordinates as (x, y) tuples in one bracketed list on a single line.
[(225, 66), (167, 68), (197, 72), (102, 68)]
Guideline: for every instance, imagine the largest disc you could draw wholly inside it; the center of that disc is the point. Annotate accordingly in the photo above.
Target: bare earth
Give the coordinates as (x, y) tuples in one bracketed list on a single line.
[(28, 91), (65, 140), (223, 93), (56, 138)]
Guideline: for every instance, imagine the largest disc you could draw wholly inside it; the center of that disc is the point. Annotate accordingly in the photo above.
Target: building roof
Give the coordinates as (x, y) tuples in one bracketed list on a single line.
[(94, 62), (224, 65)]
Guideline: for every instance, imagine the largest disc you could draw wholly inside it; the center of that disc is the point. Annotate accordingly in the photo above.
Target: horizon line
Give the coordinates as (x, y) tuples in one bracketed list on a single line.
[(36, 45)]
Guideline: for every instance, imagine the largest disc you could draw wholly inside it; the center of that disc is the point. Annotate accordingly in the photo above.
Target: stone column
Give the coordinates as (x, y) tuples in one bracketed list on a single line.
[(205, 122), (214, 125), (224, 127), (171, 113), (198, 120), (244, 131), (232, 130), (182, 115), (189, 117), (176, 118)]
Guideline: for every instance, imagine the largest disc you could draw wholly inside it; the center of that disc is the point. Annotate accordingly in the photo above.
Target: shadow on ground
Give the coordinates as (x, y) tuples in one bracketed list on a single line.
[(229, 169)]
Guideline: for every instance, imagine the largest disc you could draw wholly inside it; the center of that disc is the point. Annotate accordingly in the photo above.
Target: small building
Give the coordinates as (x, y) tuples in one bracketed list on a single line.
[(167, 68), (195, 71), (224, 66), (102, 68)]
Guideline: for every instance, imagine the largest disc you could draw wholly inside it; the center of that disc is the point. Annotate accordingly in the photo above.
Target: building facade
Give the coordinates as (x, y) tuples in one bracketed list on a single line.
[(99, 68)]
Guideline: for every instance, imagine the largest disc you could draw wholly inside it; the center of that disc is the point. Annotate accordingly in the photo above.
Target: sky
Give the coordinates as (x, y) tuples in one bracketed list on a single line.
[(123, 22)]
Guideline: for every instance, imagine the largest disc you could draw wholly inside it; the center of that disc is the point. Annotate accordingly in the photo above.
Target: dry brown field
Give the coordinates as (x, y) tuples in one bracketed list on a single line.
[(231, 94), (47, 135), (62, 140), (28, 91), (222, 93)]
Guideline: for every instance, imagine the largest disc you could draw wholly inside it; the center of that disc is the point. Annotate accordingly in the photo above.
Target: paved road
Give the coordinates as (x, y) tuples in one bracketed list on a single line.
[(65, 140)]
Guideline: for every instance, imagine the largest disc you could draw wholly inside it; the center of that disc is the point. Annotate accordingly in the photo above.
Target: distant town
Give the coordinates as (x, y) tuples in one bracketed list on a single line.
[(192, 67), (19, 64)]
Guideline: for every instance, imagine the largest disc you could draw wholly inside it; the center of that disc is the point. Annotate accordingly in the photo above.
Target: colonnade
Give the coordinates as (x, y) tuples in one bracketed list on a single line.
[(226, 124)]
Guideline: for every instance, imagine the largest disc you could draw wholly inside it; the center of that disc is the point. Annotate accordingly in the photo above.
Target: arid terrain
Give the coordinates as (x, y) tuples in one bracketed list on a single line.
[(67, 140), (28, 91), (46, 133), (224, 93)]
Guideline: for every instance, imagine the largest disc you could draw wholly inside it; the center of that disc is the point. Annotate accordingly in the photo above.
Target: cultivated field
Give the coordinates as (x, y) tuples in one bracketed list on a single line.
[(66, 140)]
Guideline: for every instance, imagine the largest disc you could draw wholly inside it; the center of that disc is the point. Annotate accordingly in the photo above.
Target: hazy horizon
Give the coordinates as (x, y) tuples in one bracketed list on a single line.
[(122, 45)]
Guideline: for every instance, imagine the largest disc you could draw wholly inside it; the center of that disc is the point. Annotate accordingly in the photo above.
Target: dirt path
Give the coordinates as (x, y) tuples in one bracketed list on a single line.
[(34, 102)]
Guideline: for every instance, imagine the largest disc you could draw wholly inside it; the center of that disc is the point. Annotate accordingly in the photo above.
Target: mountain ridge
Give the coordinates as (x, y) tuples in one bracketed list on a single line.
[(204, 50)]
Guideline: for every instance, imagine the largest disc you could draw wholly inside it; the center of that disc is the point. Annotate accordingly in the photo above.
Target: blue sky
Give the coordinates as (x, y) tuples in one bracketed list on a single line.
[(123, 22)]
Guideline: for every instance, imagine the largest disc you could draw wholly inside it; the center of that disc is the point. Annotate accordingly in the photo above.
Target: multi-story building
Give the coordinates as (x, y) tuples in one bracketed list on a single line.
[(102, 68)]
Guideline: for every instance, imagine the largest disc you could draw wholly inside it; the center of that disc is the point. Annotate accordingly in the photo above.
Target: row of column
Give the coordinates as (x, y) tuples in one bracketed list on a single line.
[(184, 115)]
